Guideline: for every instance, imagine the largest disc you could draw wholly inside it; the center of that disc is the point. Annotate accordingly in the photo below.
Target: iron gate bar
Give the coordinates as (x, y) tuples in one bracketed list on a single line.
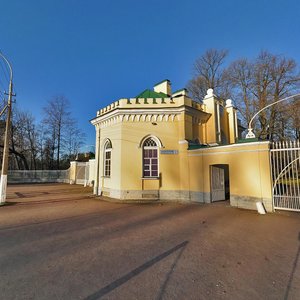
[(285, 167)]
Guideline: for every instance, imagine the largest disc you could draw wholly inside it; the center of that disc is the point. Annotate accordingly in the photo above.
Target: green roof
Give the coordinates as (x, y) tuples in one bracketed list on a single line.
[(151, 94), (183, 89), (249, 140), (193, 147)]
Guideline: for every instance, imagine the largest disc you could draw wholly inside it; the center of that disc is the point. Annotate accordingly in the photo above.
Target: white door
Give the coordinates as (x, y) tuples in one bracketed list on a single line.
[(217, 184)]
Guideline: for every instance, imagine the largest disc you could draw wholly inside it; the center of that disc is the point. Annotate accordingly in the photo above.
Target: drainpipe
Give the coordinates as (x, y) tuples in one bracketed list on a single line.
[(96, 186)]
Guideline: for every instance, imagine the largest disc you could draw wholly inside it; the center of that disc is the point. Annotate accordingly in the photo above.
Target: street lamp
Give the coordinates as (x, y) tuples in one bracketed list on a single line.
[(3, 180), (250, 133)]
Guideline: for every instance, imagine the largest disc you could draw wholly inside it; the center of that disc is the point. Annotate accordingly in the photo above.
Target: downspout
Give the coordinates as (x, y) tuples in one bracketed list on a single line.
[(218, 137), (259, 204), (96, 187), (236, 127)]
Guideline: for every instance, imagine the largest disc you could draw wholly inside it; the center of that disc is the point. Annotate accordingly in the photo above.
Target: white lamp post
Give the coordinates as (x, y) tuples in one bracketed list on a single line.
[(250, 133), (3, 181)]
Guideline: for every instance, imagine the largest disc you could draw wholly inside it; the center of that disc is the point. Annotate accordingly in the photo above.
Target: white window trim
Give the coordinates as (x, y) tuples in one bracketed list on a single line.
[(156, 139), (150, 148), (106, 150)]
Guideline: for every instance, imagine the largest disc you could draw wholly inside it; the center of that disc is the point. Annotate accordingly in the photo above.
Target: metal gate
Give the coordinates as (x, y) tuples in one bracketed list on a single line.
[(285, 166)]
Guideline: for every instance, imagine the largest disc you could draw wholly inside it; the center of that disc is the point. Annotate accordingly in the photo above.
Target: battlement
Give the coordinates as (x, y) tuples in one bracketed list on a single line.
[(142, 103)]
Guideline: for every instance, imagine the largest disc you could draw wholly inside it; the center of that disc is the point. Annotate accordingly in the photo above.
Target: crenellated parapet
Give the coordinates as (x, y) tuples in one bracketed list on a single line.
[(153, 106), (149, 103)]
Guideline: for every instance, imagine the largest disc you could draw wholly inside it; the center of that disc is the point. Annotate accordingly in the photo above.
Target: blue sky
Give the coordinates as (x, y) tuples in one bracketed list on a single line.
[(97, 51)]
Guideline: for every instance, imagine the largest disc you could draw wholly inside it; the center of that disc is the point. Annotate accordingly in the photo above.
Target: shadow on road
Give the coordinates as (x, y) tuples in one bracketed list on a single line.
[(164, 286), (288, 288), (120, 281)]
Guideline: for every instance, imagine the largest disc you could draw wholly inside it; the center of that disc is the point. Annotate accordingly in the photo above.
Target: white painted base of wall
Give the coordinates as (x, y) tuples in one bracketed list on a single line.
[(185, 196), (201, 197), (162, 195), (3, 185), (244, 202), (130, 194), (247, 202)]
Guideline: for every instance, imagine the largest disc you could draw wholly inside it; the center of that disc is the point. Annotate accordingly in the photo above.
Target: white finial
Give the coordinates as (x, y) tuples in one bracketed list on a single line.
[(229, 103), (210, 93)]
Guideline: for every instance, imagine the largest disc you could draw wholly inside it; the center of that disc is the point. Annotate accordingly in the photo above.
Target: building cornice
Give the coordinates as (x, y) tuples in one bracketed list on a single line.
[(158, 114)]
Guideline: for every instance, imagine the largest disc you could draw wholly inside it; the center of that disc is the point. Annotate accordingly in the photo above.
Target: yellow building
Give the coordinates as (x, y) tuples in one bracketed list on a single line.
[(163, 145)]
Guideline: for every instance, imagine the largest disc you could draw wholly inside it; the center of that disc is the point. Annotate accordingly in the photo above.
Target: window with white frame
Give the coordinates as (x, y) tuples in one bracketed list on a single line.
[(107, 158), (150, 158)]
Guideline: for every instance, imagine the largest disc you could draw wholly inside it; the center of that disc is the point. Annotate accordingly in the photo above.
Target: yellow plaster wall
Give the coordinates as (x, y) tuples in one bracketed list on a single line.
[(113, 132), (210, 125), (231, 111), (188, 127), (188, 171), (131, 156), (225, 125), (127, 121), (249, 169)]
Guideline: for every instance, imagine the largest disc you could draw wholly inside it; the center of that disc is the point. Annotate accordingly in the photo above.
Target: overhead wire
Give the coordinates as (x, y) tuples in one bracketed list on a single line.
[(4, 79), (2, 83), (2, 96), (2, 87), (5, 70), (2, 90)]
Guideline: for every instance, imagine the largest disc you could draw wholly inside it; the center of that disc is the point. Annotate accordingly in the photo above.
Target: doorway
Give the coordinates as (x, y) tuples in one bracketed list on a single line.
[(219, 182)]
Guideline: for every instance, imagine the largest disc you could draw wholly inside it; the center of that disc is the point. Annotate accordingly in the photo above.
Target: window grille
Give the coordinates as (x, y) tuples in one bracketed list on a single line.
[(150, 142)]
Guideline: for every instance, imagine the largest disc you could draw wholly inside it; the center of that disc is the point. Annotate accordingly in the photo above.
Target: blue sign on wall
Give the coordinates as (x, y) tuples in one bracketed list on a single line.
[(168, 151)]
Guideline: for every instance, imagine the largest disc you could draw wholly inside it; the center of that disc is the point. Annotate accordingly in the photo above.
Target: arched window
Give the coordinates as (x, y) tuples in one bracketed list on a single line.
[(107, 158), (150, 158)]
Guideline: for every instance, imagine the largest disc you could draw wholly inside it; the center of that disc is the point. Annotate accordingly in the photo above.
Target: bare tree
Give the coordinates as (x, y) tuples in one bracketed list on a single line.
[(31, 139), (57, 117), (295, 119), (239, 77), (287, 123), (41, 146), (263, 81), (61, 130), (21, 142), (73, 140), (208, 73)]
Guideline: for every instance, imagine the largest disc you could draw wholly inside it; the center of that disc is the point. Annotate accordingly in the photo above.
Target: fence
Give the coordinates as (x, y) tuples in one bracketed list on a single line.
[(285, 164), (78, 173), (38, 176)]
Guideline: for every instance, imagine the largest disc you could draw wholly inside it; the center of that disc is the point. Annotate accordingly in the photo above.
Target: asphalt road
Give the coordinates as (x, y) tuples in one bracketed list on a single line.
[(57, 242)]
